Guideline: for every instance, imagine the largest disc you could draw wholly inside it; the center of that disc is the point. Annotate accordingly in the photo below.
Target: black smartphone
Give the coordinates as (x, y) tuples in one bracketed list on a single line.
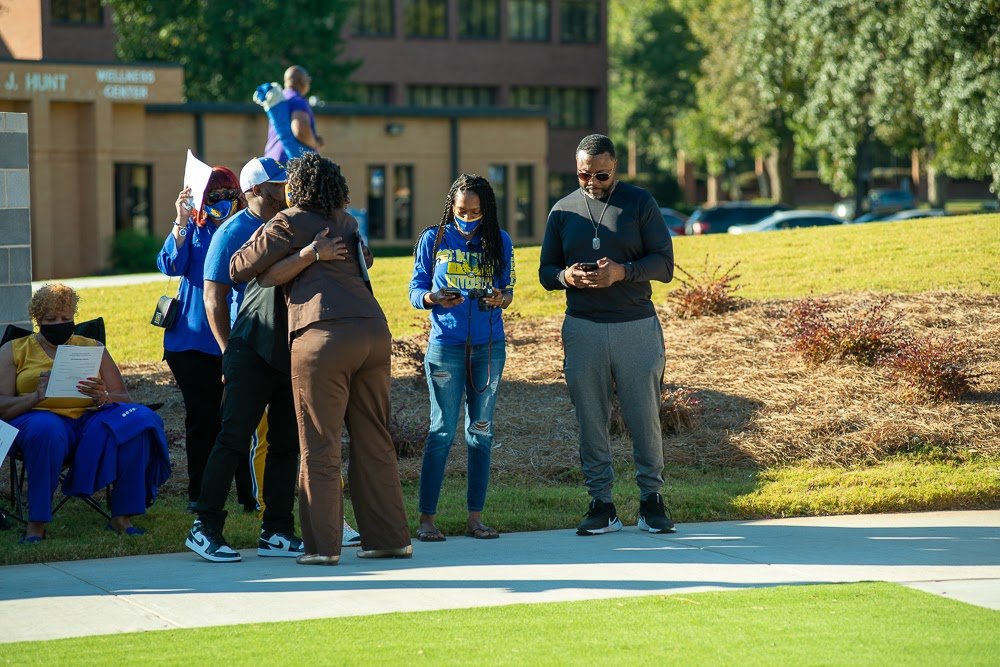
[(451, 292), (587, 266)]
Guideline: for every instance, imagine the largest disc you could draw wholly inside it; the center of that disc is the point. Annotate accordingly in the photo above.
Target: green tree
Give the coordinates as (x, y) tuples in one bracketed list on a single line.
[(953, 69), (913, 74), (228, 47), (729, 120), (653, 63)]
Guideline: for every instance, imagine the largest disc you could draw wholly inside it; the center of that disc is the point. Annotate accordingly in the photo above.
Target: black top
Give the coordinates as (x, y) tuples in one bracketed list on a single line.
[(632, 233), (263, 324)]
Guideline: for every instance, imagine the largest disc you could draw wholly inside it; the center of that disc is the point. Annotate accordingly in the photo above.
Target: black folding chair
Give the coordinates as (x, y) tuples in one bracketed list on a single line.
[(18, 510)]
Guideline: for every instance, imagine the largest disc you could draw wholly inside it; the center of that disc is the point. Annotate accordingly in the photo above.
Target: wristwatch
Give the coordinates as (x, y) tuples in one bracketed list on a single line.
[(183, 231)]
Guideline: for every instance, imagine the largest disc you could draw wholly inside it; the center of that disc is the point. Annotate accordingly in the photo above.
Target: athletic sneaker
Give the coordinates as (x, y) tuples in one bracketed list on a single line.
[(602, 517), (210, 545), (352, 538), (653, 515), (279, 544)]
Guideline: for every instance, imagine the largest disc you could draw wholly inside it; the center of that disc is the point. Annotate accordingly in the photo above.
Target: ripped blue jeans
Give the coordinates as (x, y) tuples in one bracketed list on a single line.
[(447, 380)]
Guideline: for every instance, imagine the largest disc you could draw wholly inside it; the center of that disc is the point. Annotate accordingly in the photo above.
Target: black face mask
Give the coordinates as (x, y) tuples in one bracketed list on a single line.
[(57, 334)]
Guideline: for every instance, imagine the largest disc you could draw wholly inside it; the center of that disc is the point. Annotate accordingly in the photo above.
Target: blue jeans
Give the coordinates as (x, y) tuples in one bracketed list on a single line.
[(447, 379)]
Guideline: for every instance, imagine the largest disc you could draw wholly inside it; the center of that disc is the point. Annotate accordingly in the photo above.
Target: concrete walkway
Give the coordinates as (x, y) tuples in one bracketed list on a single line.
[(955, 554), (106, 281)]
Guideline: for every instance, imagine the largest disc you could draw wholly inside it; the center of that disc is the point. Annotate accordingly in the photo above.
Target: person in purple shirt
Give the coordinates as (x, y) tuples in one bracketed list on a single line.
[(189, 347), (301, 117)]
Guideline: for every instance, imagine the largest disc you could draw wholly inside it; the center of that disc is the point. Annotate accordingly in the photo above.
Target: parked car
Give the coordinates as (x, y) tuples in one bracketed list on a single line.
[(917, 213), (788, 220), (719, 218), (878, 202), (675, 221), (869, 217)]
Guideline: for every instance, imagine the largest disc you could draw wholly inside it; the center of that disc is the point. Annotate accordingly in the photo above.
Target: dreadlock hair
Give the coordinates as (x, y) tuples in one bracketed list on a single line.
[(317, 184), (221, 178), (489, 229)]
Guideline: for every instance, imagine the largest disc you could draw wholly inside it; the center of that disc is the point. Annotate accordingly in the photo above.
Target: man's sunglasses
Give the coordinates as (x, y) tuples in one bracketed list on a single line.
[(585, 176)]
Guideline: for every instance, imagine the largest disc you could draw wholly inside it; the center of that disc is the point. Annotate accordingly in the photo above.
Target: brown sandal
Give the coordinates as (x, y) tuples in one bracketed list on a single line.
[(482, 532), (431, 536)]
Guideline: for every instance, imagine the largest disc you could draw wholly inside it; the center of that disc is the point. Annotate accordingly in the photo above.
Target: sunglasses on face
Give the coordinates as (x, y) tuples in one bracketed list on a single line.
[(220, 195), (585, 176)]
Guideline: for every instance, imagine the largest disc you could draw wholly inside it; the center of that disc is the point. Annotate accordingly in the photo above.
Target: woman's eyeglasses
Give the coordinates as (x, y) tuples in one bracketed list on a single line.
[(585, 176), (219, 195)]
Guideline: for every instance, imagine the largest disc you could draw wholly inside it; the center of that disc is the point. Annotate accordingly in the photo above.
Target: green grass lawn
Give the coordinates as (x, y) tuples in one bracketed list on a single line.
[(960, 254), (848, 624)]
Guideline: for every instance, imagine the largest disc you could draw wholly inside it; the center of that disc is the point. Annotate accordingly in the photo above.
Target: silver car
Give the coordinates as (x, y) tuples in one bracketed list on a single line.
[(788, 220)]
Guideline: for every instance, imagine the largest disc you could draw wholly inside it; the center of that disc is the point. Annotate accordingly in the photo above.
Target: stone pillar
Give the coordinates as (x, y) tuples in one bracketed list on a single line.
[(15, 221)]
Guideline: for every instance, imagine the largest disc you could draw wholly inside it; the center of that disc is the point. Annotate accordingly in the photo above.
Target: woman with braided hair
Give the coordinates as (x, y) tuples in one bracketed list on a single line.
[(341, 350), (463, 272)]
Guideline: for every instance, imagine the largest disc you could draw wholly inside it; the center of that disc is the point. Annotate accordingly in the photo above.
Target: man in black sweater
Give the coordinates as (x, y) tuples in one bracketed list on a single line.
[(603, 244)]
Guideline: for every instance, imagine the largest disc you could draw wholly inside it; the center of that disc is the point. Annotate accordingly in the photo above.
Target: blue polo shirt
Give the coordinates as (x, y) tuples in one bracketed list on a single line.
[(231, 236)]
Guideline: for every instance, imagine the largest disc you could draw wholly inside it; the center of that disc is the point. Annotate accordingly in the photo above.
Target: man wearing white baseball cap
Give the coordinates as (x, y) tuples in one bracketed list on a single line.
[(257, 369), (263, 183)]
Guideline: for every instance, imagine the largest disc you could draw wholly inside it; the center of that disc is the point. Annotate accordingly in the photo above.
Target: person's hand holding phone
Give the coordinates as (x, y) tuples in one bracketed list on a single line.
[(576, 274), (602, 273), (446, 297), (184, 205)]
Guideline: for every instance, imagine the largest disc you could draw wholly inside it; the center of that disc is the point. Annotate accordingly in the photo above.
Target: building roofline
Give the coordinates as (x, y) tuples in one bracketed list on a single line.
[(159, 64), (353, 110)]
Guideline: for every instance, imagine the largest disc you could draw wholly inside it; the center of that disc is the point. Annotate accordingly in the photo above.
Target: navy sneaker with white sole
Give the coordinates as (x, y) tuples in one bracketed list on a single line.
[(282, 545), (210, 545)]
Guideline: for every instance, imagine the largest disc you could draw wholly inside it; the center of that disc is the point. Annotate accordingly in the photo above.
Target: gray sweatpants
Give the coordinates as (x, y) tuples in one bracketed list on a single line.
[(626, 357)]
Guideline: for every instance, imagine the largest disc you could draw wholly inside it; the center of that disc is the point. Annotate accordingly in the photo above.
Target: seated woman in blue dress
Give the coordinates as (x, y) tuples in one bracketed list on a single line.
[(103, 438)]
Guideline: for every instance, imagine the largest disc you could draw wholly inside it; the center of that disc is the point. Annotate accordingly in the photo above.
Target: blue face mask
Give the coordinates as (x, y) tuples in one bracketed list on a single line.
[(467, 226), (220, 210)]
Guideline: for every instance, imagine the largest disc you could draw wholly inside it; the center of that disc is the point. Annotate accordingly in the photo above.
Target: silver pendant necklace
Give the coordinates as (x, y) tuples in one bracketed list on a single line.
[(596, 243)]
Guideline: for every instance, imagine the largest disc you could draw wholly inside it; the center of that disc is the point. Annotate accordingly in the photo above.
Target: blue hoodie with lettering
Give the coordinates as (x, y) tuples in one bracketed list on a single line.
[(456, 264)]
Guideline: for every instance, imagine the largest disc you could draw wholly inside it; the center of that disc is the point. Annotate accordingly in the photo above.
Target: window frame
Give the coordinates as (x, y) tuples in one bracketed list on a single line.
[(372, 14), (519, 11), (463, 8), (83, 6), (125, 220), (593, 11), (430, 7)]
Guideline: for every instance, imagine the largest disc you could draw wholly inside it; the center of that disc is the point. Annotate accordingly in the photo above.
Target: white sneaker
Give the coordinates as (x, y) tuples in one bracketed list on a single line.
[(210, 545), (352, 538), (279, 544)]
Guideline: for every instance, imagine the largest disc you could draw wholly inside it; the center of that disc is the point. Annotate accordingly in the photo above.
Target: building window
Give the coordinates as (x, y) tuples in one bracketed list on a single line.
[(529, 20), (77, 12), (581, 21), (571, 108), (402, 200), (133, 198), (376, 202), (373, 93), (373, 18), (525, 201), (497, 175), (450, 96), (426, 18), (479, 19)]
